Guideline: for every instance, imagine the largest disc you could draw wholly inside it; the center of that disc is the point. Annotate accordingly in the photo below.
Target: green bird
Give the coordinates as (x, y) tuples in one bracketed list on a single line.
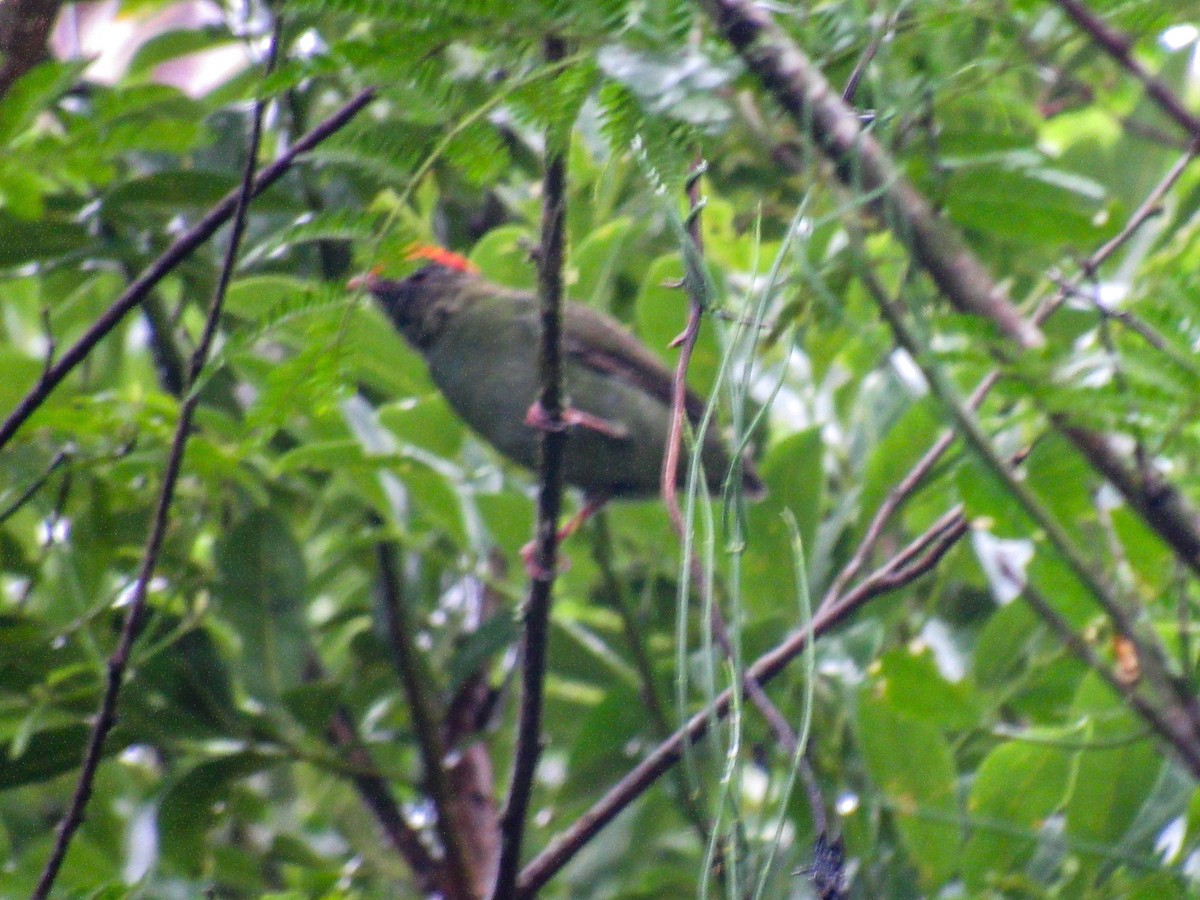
[(481, 343)]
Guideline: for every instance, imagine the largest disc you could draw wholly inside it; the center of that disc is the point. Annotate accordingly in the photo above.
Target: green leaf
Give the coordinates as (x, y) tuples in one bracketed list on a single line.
[(913, 769), (909, 680), (1119, 772), (25, 241), (260, 588), (1016, 788), (190, 808)]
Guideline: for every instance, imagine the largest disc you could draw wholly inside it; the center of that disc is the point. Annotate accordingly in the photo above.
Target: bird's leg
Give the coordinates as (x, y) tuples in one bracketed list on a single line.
[(536, 417), (591, 506)]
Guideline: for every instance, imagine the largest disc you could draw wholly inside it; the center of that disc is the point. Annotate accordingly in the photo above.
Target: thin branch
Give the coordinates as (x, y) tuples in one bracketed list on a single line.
[(602, 552), (36, 485), (118, 662), (686, 341), (850, 91), (1118, 46), (426, 720), (863, 165), (550, 481), (166, 263), (1149, 651), (376, 794), (936, 542)]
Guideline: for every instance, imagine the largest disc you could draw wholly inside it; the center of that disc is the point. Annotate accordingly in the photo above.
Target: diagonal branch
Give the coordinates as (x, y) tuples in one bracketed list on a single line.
[(550, 482), (183, 246), (1118, 46), (862, 164), (923, 554), (118, 662), (376, 794)]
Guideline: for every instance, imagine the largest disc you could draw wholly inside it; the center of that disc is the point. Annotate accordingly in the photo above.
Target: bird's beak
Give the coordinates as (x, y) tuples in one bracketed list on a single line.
[(365, 281)]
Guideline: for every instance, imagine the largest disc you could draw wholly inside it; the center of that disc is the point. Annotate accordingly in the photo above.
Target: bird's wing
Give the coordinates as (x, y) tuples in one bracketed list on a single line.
[(611, 349)]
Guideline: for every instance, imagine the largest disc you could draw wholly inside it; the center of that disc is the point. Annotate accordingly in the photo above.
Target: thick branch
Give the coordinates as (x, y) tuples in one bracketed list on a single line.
[(171, 257), (550, 451), (863, 165)]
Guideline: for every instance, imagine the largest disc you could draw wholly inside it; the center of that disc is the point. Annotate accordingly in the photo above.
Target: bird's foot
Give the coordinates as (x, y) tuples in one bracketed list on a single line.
[(535, 570), (537, 417)]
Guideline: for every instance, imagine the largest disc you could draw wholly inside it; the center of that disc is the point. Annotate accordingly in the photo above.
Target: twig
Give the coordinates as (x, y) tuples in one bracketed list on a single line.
[(36, 485), (862, 164), (934, 543), (1176, 733), (168, 260), (426, 720), (1117, 46), (603, 554), (860, 68), (118, 662), (377, 795), (550, 450), (686, 341)]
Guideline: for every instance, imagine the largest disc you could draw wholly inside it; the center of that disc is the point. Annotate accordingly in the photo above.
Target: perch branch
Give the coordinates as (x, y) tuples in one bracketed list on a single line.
[(550, 452)]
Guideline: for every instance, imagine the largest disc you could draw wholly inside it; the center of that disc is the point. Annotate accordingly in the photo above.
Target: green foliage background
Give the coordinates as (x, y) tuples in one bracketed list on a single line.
[(959, 747)]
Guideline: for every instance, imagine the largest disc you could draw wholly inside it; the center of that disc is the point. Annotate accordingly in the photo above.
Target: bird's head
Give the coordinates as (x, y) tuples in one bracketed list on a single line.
[(420, 304)]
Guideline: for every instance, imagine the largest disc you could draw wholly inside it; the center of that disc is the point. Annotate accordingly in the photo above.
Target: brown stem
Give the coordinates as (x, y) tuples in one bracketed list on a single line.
[(377, 796), (426, 719), (118, 662), (550, 451)]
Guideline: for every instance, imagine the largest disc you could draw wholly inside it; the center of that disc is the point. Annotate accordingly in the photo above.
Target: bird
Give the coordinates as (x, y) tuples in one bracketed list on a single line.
[(481, 341)]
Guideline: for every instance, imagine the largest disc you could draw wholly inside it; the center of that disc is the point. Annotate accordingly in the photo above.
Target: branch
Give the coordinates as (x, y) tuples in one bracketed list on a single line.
[(919, 557), (686, 341), (426, 721), (170, 258), (118, 662), (863, 165), (377, 795), (1117, 46), (25, 29), (930, 547), (550, 452), (1123, 616), (62, 456)]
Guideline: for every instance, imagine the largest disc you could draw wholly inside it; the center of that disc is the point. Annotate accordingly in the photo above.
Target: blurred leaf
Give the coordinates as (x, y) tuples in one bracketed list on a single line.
[(191, 806), (261, 588), (913, 769), (1017, 787)]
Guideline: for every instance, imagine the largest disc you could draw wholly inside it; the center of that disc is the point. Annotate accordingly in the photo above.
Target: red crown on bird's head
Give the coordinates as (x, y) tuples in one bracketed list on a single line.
[(442, 257), (431, 252)]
